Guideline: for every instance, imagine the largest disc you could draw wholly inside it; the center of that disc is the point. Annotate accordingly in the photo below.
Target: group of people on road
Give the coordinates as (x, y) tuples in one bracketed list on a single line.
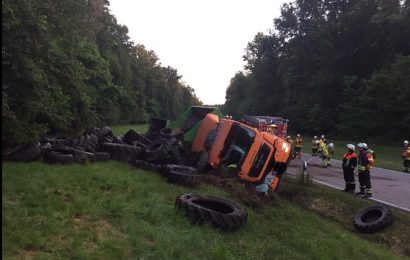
[(363, 161)]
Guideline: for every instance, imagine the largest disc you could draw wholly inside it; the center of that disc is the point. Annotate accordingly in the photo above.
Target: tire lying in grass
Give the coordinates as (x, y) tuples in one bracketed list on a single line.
[(101, 156), (183, 175), (23, 153), (57, 157), (148, 166), (373, 219), (218, 212)]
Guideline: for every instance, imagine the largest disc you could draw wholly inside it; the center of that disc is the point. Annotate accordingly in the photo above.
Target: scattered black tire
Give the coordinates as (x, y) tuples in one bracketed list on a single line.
[(23, 153), (202, 161), (218, 212), (57, 157), (131, 136), (184, 176), (166, 170), (102, 156), (149, 166), (373, 219)]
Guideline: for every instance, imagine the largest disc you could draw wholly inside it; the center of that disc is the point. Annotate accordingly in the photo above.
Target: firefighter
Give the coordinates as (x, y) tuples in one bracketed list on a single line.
[(324, 152), (365, 162), (406, 156), (314, 146), (349, 164), (298, 146), (273, 129)]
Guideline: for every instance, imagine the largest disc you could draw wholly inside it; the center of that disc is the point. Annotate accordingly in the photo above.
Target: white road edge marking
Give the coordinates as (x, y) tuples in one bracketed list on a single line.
[(377, 200)]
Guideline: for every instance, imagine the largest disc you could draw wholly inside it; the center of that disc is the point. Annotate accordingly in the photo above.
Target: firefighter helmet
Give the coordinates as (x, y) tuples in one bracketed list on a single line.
[(315, 137), (364, 145), (351, 147), (406, 142), (330, 145), (298, 135), (322, 136), (360, 145), (317, 142)]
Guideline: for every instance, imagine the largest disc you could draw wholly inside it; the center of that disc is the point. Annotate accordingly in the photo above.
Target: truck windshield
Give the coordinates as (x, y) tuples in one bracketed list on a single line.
[(237, 144)]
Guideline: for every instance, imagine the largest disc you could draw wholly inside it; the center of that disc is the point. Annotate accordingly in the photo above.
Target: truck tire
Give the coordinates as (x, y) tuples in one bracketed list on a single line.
[(373, 219), (23, 153), (101, 156), (202, 162), (56, 157), (184, 176), (218, 212)]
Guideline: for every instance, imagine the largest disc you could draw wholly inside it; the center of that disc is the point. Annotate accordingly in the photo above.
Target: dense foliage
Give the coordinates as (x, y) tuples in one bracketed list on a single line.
[(68, 64), (331, 66)]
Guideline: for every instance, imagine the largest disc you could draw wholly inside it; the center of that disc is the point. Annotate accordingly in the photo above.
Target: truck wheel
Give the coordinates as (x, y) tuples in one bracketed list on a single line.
[(218, 212), (373, 219), (184, 176)]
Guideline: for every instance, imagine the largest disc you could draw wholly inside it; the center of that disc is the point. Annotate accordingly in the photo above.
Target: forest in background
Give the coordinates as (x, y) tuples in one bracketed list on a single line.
[(339, 67), (68, 65)]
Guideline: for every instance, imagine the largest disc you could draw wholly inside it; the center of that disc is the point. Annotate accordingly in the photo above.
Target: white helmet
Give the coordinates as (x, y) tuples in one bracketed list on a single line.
[(317, 142), (406, 142), (330, 145), (364, 145), (315, 137), (298, 135), (351, 147), (288, 137), (322, 136), (360, 145)]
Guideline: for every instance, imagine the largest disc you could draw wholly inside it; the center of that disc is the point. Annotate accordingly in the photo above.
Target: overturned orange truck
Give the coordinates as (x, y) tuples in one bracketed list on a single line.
[(260, 157)]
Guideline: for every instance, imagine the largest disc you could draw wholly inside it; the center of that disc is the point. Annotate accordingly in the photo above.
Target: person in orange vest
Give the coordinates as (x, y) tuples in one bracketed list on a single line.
[(349, 165), (298, 146), (406, 156), (365, 163)]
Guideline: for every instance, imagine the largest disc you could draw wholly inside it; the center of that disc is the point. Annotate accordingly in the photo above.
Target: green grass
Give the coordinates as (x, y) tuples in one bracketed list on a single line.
[(111, 210), (388, 157), (122, 129)]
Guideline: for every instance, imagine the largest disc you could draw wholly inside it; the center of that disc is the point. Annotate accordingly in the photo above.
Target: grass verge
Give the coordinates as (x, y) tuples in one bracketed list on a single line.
[(111, 210)]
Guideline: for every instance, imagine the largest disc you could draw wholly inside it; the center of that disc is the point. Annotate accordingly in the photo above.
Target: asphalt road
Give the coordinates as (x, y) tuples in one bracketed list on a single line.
[(389, 187)]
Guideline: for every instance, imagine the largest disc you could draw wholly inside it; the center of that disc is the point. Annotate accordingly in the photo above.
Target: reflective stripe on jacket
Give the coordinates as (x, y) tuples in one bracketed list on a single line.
[(298, 142), (406, 153), (365, 161), (350, 160)]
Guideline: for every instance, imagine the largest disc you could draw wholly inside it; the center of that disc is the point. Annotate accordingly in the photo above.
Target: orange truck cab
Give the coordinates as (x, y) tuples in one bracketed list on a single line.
[(253, 152)]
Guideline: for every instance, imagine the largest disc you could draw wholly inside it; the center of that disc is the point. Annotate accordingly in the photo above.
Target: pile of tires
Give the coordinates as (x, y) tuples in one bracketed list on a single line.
[(373, 219), (218, 212)]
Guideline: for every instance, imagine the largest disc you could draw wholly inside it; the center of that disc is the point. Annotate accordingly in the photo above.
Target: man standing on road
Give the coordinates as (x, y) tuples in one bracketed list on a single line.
[(298, 146), (349, 165), (365, 162), (406, 156), (324, 153), (314, 146)]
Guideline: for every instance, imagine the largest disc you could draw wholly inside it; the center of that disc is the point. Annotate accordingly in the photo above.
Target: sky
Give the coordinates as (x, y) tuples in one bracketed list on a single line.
[(203, 39)]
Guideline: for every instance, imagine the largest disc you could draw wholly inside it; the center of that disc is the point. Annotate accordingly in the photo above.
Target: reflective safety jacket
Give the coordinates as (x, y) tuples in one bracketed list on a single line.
[(365, 161), (314, 144), (349, 160), (298, 142), (323, 149), (406, 153)]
